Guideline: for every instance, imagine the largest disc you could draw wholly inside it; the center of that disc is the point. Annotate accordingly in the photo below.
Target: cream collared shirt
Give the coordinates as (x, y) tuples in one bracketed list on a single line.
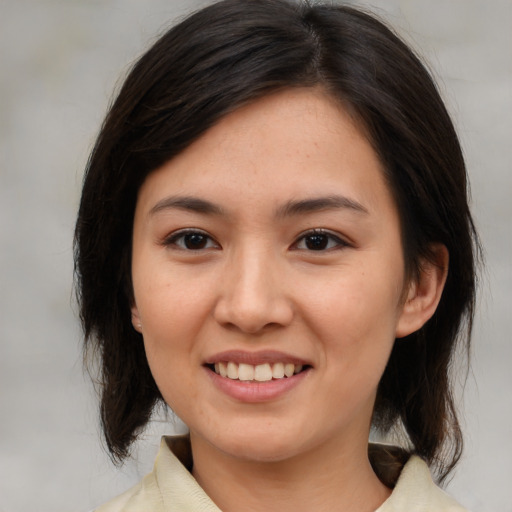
[(170, 487)]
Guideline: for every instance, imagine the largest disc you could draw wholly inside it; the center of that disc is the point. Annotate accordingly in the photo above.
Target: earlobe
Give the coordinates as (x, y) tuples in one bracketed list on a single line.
[(424, 293), (137, 324)]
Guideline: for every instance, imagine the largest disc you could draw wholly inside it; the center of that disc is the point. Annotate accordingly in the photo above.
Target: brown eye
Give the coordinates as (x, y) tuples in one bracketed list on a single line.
[(191, 240), (195, 241), (316, 242), (319, 240)]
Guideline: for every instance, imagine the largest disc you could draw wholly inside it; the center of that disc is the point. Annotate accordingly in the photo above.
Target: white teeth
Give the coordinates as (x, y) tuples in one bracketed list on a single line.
[(278, 370), (289, 369), (245, 371), (232, 370), (260, 373), (263, 372)]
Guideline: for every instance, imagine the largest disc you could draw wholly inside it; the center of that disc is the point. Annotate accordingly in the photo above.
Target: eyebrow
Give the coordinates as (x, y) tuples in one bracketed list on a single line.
[(188, 203), (291, 208), (317, 204)]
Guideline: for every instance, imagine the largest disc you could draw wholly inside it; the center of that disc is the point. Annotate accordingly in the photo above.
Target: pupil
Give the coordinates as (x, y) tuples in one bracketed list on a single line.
[(195, 241), (316, 242)]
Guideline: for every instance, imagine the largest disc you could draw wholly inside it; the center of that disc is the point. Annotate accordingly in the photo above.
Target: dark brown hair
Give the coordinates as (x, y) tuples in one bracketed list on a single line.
[(226, 55)]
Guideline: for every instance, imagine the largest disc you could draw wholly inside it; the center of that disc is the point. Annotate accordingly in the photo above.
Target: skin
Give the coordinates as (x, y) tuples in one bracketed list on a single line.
[(253, 283)]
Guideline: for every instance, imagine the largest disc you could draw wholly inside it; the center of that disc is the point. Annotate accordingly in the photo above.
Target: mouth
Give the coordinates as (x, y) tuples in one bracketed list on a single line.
[(257, 377), (264, 372)]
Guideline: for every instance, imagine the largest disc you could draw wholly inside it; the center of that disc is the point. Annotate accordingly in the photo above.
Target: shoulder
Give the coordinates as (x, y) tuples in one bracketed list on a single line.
[(142, 497), (170, 486), (415, 491)]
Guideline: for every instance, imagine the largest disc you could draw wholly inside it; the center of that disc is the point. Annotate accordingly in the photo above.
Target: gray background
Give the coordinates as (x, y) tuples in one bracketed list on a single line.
[(60, 61)]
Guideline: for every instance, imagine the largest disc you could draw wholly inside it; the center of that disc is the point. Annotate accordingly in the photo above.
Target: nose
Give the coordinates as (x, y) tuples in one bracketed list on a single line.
[(253, 296)]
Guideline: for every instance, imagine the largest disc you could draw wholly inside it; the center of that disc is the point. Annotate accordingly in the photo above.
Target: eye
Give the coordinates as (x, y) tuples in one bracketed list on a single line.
[(191, 240), (319, 240)]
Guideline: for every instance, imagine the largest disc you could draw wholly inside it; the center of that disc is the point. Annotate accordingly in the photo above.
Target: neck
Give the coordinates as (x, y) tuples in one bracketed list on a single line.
[(327, 478)]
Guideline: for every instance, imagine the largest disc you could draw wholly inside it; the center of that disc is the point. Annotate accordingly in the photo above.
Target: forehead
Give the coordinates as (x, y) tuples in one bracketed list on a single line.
[(282, 147)]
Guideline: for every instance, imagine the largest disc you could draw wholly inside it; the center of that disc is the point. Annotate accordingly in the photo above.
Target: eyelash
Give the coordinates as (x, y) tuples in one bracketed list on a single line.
[(331, 237), (323, 236), (174, 239)]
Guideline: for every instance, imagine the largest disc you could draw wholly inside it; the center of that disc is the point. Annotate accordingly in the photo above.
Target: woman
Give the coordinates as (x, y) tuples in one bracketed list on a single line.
[(274, 239)]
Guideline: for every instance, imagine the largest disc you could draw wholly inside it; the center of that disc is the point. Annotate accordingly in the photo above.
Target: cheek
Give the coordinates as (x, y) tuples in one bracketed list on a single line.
[(354, 301), (355, 316), (168, 298), (172, 312)]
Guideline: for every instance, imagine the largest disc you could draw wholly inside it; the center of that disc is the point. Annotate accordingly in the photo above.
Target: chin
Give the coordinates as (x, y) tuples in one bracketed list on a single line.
[(263, 454), (261, 445)]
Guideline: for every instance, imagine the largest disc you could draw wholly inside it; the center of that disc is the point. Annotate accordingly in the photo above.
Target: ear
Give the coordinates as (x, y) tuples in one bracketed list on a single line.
[(424, 292), (137, 324)]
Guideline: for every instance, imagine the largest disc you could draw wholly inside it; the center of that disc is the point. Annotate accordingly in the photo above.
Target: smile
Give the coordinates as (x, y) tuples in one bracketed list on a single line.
[(260, 373), (256, 377)]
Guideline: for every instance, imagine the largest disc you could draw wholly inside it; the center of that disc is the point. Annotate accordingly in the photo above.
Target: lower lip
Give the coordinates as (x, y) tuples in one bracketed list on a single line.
[(255, 392)]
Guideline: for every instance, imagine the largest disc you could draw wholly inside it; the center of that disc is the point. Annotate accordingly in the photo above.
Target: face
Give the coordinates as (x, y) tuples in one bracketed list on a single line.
[(268, 275)]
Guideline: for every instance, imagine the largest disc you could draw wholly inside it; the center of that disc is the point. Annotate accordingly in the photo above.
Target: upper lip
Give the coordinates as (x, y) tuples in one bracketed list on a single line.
[(255, 358)]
